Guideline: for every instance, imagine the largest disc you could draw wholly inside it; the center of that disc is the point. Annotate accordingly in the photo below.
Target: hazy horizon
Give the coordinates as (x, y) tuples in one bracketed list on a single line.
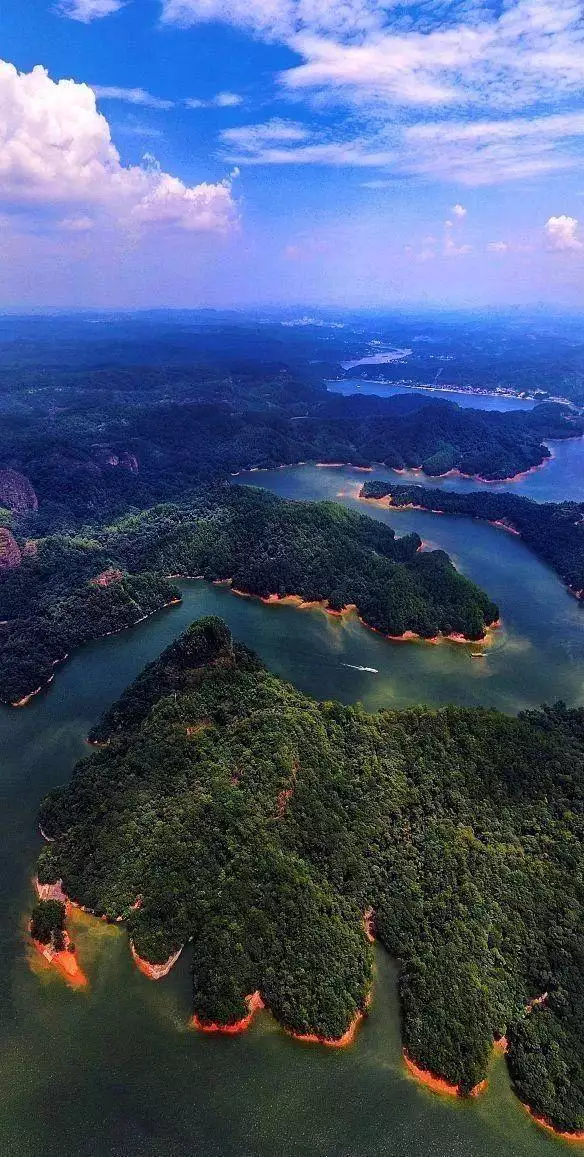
[(182, 153)]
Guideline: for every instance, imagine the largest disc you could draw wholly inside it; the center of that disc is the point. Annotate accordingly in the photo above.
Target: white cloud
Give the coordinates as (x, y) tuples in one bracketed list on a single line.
[(130, 95), (76, 224), (375, 54), (471, 154), (253, 139), (56, 154), (227, 99), (561, 234), (497, 247), (279, 19), (459, 211), (87, 10), (220, 100), (488, 152), (284, 142)]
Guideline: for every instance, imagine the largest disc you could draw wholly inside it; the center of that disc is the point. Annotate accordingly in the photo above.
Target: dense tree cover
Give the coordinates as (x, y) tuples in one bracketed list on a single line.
[(532, 350), (47, 924), (261, 825), (266, 545), (103, 451), (53, 617), (554, 530)]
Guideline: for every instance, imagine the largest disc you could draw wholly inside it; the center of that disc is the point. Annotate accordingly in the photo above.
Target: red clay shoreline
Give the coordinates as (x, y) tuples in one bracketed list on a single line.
[(453, 473), (289, 599), (67, 965), (387, 502), (439, 1084)]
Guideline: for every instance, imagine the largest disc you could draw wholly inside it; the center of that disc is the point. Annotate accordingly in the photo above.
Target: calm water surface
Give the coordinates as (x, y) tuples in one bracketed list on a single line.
[(113, 1072), (350, 386)]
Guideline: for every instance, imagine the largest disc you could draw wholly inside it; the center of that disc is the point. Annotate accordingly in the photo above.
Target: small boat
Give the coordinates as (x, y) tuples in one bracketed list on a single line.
[(478, 655)]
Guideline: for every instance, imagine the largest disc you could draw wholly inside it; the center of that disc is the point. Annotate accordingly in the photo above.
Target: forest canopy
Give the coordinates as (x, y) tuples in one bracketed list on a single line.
[(228, 809), (73, 588), (554, 530)]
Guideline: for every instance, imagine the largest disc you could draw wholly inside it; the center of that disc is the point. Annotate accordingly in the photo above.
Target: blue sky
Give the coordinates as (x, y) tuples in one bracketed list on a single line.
[(188, 152)]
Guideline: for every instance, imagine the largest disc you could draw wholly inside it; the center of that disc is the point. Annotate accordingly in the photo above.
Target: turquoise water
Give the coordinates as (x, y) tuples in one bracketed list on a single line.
[(113, 1072)]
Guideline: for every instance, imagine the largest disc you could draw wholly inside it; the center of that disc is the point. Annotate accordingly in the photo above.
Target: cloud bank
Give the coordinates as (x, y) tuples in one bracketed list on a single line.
[(57, 158)]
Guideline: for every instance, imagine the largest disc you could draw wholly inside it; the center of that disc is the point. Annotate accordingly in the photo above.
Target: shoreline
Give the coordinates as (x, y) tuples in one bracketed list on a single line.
[(454, 472), (351, 609), (471, 392), (439, 1084), (387, 503), (108, 634), (575, 1138), (268, 600), (67, 966)]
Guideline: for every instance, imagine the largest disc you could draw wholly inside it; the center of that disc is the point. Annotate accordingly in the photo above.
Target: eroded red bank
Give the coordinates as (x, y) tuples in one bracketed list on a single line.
[(577, 1138), (65, 962), (254, 1002), (438, 1084)]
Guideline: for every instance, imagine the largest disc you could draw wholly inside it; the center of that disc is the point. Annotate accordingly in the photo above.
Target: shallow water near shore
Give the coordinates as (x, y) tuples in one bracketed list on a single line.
[(114, 1072)]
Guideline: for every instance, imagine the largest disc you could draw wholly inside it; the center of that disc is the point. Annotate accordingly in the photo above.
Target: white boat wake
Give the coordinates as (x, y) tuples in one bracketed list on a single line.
[(355, 667)]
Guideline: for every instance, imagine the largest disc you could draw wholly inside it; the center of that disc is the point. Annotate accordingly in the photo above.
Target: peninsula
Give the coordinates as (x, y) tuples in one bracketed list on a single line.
[(553, 530), (275, 836), (71, 588)]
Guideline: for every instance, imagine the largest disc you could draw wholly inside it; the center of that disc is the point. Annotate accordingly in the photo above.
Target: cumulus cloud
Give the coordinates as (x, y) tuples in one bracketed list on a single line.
[(497, 247), (131, 96), (562, 234), (87, 10), (459, 211), (56, 153)]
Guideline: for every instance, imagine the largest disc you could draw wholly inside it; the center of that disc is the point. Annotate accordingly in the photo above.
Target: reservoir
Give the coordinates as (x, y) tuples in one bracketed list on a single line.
[(113, 1071)]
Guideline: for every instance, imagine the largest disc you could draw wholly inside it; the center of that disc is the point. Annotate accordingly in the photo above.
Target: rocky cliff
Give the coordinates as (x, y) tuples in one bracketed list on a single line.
[(16, 492)]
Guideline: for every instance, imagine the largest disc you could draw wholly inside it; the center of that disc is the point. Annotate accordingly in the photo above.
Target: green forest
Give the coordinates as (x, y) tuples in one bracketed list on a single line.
[(261, 826), (72, 588), (554, 530), (132, 438)]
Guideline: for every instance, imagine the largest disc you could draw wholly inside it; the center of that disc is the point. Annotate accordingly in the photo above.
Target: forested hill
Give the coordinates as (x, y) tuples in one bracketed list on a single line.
[(102, 451), (554, 530), (68, 589), (230, 810)]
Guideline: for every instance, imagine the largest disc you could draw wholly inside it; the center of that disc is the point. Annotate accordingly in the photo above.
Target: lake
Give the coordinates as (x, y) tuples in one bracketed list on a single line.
[(113, 1072), (349, 386)]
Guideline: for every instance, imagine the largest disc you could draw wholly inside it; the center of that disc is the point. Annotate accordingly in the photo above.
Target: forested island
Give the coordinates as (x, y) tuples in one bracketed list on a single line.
[(276, 835), (68, 589), (554, 530)]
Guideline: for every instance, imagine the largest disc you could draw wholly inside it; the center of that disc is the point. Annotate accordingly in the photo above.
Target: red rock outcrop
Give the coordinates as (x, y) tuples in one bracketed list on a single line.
[(16, 492), (10, 555)]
